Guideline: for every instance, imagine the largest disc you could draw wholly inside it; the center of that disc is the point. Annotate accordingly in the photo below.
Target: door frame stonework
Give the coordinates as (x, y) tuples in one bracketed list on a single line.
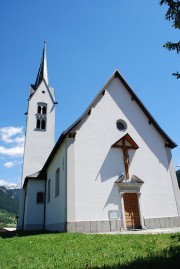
[(132, 185)]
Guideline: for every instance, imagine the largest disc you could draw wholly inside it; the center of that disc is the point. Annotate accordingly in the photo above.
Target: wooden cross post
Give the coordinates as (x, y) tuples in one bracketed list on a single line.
[(126, 158), (125, 143)]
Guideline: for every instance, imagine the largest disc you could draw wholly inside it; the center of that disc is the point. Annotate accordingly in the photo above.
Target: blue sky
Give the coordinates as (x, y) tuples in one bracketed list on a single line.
[(86, 41)]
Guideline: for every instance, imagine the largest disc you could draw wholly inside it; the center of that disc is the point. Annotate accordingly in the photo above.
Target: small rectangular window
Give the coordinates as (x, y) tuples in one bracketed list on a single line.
[(57, 182), (48, 191), (40, 198), (38, 123), (43, 124)]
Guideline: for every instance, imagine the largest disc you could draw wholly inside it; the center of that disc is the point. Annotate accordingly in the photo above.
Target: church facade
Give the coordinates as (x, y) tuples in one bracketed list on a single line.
[(110, 170)]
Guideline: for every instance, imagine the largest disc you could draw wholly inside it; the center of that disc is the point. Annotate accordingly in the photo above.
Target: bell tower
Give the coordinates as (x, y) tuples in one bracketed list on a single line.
[(40, 130), (40, 122)]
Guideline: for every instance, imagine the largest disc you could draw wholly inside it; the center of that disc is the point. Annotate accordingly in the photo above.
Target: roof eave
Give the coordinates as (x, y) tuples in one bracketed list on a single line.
[(53, 152), (168, 142)]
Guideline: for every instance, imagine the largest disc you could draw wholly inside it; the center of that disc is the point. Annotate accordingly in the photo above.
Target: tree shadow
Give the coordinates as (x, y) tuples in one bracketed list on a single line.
[(18, 233), (169, 258), (113, 197), (166, 259), (113, 164), (176, 236)]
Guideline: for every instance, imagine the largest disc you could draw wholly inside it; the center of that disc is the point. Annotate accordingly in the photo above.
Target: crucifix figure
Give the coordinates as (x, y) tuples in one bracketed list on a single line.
[(125, 143)]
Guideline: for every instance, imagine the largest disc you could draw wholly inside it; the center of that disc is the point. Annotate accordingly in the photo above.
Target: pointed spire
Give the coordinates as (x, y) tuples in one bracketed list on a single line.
[(42, 73)]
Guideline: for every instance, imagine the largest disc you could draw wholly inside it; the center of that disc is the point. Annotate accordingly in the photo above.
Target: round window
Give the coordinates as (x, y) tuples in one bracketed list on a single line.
[(121, 125)]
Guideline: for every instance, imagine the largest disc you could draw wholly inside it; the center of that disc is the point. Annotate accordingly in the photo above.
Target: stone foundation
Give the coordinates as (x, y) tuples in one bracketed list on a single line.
[(94, 226), (103, 226), (166, 222)]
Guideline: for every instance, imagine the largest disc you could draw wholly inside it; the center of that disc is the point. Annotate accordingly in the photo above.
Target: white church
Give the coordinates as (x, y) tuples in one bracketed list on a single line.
[(110, 170)]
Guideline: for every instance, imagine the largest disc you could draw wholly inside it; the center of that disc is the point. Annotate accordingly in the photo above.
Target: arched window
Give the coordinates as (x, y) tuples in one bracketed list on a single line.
[(39, 110), (57, 182), (44, 110), (48, 191), (41, 116)]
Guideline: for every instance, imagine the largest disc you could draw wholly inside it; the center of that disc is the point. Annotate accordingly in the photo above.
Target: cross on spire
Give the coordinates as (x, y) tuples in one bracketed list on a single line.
[(125, 143)]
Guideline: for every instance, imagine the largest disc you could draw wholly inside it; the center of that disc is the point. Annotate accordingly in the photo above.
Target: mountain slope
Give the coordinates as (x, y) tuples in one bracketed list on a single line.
[(9, 199)]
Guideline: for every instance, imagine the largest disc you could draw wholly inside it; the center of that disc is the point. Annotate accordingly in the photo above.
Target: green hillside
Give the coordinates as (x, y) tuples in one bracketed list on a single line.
[(9, 199), (7, 219), (9, 203)]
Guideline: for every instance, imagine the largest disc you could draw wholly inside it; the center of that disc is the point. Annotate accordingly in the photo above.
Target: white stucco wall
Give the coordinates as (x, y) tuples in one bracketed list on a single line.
[(38, 143), (56, 208), (70, 179), (97, 165), (34, 213), (21, 209)]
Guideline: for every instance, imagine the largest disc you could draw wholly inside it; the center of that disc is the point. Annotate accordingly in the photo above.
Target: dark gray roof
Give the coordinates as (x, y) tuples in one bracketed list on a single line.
[(168, 142), (34, 177), (42, 73)]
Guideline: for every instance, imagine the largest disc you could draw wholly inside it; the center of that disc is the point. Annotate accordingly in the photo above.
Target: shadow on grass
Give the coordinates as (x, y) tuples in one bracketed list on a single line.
[(10, 234), (168, 259), (176, 236)]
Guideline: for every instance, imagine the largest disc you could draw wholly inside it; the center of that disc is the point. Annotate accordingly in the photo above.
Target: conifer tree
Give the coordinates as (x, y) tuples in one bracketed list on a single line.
[(173, 14)]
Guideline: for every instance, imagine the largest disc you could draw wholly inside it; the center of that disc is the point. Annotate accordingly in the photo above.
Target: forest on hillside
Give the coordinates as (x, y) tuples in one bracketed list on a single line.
[(9, 199), (7, 219), (9, 203)]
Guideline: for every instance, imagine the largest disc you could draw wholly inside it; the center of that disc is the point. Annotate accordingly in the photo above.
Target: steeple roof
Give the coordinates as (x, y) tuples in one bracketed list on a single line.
[(42, 73)]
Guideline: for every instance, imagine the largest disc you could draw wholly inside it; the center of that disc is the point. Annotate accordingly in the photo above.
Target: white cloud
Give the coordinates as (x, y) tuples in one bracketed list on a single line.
[(19, 140), (12, 152), (11, 164), (15, 136), (12, 134), (8, 184)]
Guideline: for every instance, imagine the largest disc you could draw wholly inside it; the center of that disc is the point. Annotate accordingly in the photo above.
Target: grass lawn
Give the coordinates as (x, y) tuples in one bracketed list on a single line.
[(61, 250)]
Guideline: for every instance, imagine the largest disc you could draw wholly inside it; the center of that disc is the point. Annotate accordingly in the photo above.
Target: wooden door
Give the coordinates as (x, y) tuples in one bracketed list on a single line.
[(131, 211)]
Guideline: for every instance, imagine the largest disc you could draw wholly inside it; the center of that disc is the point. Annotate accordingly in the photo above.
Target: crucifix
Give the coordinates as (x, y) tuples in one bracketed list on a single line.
[(125, 143)]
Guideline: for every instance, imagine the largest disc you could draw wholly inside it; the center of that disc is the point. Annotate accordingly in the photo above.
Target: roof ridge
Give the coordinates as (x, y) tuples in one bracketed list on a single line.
[(169, 143)]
